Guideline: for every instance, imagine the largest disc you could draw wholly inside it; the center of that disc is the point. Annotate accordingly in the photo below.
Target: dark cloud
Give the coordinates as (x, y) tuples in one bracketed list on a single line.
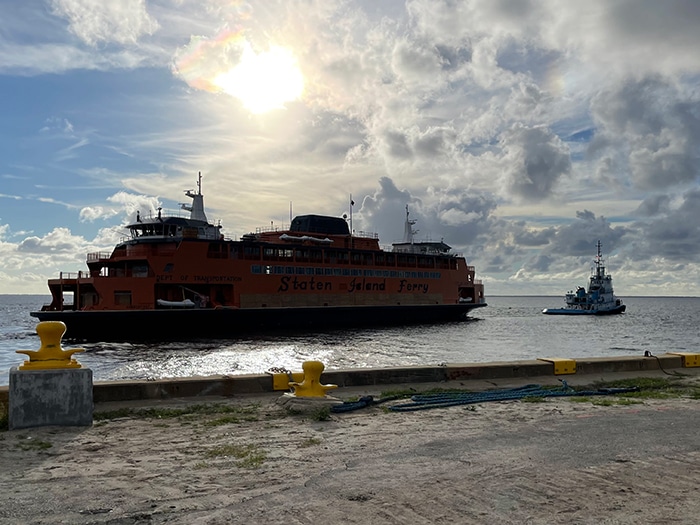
[(397, 144), (653, 205), (536, 159), (673, 233), (577, 239), (532, 238), (649, 130)]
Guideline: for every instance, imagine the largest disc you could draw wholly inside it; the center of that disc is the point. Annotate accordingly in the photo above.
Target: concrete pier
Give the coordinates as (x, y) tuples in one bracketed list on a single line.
[(61, 397)]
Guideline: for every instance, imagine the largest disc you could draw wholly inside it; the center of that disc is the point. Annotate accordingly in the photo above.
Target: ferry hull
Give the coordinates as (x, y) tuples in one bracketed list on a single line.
[(180, 324), (570, 311)]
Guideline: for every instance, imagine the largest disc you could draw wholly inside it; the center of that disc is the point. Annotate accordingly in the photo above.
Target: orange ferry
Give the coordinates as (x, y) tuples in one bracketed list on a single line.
[(179, 278)]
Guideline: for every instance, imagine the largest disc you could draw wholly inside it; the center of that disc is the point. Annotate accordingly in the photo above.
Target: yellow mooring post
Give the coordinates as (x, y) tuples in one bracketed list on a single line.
[(50, 355), (311, 385), (309, 394), (51, 388)]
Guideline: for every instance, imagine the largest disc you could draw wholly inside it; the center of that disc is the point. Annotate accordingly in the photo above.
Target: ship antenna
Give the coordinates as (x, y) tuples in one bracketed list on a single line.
[(199, 184)]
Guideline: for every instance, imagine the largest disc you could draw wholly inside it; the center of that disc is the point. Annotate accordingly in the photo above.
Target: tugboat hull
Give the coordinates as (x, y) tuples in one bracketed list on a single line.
[(570, 311)]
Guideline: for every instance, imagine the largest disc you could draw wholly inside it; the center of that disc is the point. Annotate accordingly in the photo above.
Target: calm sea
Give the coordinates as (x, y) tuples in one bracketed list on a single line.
[(510, 328)]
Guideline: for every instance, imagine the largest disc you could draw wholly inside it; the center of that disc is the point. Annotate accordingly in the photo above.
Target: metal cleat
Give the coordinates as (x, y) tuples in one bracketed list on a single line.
[(50, 355)]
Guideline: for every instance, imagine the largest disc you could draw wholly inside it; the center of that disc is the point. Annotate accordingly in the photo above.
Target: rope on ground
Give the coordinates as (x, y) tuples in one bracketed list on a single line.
[(448, 399), (364, 401), (647, 353)]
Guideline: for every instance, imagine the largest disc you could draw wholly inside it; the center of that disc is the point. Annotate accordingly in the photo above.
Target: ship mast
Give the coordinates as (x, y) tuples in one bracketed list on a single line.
[(599, 266), (408, 231), (196, 209)]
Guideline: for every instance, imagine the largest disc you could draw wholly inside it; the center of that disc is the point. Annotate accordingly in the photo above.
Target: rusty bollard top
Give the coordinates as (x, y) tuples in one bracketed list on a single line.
[(50, 355)]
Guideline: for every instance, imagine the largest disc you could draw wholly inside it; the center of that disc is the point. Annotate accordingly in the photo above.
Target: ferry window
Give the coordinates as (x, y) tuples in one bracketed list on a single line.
[(394, 274), (289, 269), (411, 260), (255, 268), (139, 271), (337, 272), (356, 258), (367, 259), (346, 271), (252, 252), (401, 260), (122, 298), (318, 271), (301, 271), (379, 259), (168, 268), (309, 271), (386, 273), (368, 273), (390, 259), (286, 253), (328, 271), (316, 255), (278, 270), (355, 272)]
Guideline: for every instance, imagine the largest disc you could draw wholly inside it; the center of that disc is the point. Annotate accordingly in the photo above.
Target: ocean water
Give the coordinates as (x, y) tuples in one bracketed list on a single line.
[(510, 328)]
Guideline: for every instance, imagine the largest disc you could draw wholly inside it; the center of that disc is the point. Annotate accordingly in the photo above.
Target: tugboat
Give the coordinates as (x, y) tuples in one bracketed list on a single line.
[(180, 278), (599, 299)]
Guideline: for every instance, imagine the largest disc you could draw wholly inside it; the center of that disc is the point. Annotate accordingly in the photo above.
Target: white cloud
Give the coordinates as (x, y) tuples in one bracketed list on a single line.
[(114, 21)]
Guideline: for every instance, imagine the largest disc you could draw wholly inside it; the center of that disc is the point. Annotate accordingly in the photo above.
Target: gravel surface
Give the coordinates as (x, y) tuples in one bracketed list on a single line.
[(509, 462)]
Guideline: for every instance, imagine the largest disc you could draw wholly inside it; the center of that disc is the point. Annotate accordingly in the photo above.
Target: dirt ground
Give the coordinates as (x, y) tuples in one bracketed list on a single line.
[(509, 462)]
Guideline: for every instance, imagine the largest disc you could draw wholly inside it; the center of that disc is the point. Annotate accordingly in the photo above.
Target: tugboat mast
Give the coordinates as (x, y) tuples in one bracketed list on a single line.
[(599, 266)]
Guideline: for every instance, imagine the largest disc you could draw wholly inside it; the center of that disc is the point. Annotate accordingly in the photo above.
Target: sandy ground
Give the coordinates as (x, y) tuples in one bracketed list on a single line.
[(512, 462)]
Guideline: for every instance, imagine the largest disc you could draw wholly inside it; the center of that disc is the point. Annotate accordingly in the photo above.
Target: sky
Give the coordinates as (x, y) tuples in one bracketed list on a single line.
[(520, 132)]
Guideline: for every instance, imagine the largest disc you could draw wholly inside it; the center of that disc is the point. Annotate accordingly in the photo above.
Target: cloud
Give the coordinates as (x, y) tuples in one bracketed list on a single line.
[(674, 233), (124, 203), (58, 240), (648, 129), (115, 21), (535, 159)]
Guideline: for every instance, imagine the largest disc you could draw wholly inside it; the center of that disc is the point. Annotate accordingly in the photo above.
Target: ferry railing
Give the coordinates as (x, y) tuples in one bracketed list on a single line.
[(365, 235), (98, 256)]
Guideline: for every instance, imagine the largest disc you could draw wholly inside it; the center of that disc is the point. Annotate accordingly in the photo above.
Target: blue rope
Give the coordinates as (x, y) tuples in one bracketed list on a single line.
[(448, 399)]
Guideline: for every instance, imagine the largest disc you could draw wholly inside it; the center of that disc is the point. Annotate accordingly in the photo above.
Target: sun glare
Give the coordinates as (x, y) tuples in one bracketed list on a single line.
[(265, 81)]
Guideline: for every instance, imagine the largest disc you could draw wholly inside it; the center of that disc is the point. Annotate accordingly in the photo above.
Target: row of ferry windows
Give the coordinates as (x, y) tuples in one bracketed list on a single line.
[(330, 256), (339, 272)]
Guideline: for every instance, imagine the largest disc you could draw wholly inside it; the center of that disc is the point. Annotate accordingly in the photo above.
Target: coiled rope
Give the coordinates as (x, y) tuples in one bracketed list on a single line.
[(448, 399)]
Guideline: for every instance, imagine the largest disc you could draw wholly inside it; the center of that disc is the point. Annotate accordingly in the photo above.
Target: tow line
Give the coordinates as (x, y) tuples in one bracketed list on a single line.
[(449, 399)]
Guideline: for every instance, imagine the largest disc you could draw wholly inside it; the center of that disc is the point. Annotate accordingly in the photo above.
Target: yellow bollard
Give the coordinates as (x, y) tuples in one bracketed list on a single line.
[(311, 385), (50, 355)]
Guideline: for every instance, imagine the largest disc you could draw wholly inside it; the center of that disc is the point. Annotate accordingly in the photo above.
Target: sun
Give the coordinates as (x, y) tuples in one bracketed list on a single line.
[(265, 81)]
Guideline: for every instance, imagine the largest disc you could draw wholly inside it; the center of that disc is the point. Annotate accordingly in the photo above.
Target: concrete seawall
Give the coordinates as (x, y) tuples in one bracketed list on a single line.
[(222, 385)]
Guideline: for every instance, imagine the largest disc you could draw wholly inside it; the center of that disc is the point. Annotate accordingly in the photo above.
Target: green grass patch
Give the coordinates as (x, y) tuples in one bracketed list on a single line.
[(27, 443), (247, 413), (310, 442), (246, 456)]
